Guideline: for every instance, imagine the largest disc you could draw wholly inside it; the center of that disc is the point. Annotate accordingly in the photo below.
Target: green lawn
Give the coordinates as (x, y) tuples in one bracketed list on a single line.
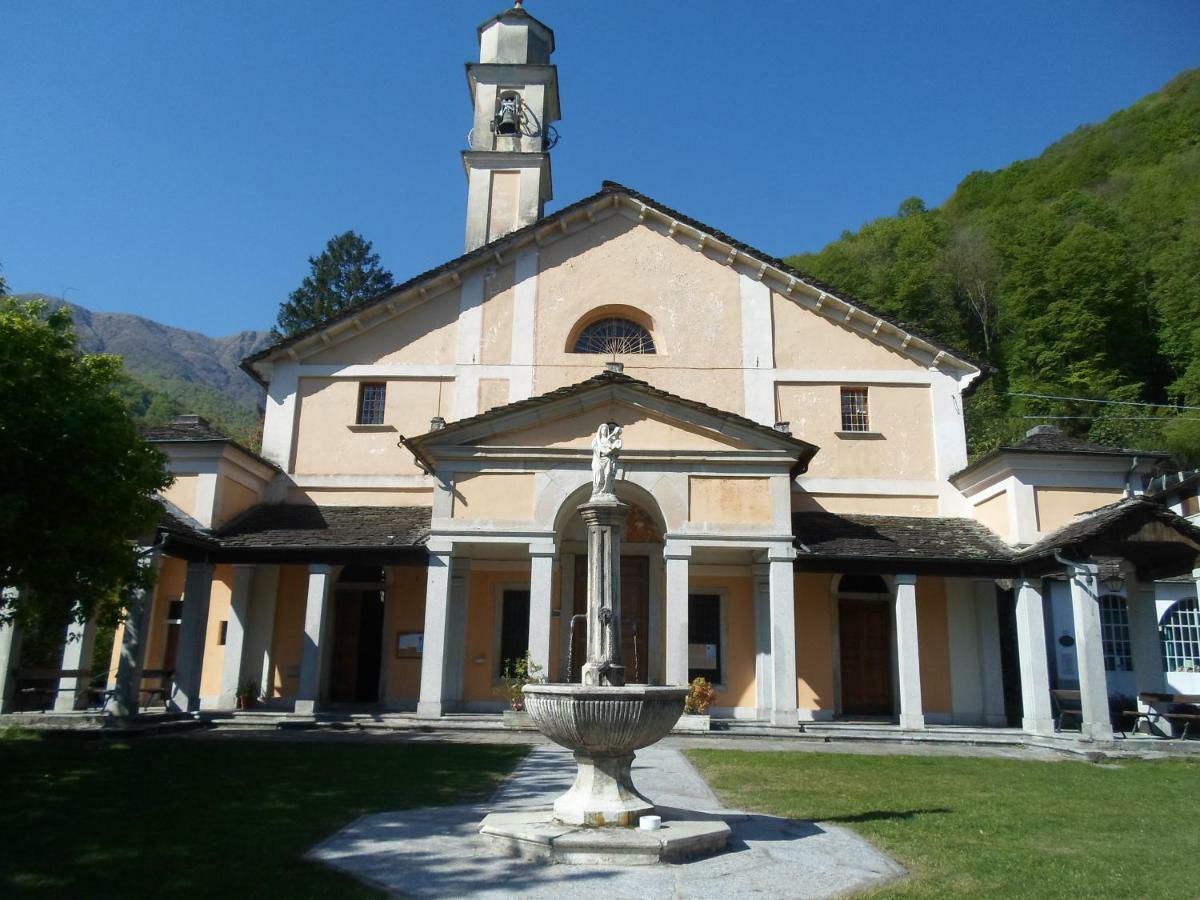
[(990, 827), (207, 818)]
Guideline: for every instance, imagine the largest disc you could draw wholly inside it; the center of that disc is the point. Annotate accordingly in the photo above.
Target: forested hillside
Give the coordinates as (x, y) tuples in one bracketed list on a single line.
[(172, 371), (1076, 274)]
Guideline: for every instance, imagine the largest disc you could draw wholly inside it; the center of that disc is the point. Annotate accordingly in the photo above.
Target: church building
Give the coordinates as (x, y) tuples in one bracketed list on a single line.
[(805, 528)]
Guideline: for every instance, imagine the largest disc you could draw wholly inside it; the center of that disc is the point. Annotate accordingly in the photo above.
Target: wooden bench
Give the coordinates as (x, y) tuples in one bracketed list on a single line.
[(52, 678), (1066, 703), (1183, 708), (161, 692)]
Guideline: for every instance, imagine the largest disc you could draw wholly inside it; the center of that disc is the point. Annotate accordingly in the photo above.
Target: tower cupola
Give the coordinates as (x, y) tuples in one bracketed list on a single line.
[(515, 92)]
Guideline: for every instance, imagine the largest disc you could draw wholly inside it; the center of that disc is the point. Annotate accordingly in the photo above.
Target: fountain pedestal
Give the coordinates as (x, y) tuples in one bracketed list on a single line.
[(603, 721)]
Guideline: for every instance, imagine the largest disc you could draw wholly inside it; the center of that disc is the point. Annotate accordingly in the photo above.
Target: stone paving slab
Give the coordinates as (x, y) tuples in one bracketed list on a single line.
[(439, 852)]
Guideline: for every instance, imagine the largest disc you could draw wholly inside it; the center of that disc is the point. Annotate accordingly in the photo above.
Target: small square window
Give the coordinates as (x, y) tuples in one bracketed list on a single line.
[(223, 632), (854, 409), (371, 396)]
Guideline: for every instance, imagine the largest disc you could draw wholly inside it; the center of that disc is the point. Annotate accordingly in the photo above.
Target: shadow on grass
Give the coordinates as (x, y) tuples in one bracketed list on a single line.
[(884, 815), (206, 818)]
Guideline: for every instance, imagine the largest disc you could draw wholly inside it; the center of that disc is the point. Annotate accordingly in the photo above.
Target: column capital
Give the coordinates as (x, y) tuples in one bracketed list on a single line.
[(243, 566), (906, 579), (199, 566), (677, 550), (439, 546), (542, 548), (781, 553), (319, 568), (1196, 574)]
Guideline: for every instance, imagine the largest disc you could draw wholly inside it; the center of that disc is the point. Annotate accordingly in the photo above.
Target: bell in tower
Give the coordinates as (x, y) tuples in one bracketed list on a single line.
[(514, 88)]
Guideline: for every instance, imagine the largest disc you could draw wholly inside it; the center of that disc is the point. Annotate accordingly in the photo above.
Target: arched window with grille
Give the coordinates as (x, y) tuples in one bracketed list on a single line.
[(1180, 633), (614, 335)]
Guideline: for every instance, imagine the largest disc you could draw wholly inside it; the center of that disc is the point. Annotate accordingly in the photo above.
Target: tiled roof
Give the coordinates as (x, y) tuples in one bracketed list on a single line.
[(604, 379), (1048, 439), (824, 535), (607, 188), (296, 526), (184, 428), (1109, 522), (176, 523)]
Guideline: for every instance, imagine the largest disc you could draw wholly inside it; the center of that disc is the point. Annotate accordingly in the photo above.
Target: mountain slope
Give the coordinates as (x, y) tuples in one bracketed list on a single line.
[(176, 371), (1075, 274)]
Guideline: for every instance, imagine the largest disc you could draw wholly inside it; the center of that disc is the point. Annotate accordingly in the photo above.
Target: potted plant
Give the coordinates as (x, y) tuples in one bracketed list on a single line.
[(247, 693), (515, 675), (695, 706)]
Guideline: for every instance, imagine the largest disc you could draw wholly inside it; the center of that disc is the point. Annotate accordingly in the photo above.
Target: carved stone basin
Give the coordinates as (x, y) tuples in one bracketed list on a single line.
[(603, 726)]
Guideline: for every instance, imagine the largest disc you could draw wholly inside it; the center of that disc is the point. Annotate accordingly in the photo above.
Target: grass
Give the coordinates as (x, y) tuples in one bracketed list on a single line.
[(208, 818), (990, 827)]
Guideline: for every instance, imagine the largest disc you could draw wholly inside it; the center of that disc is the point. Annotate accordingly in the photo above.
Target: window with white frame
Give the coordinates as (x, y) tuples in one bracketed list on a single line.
[(1180, 634), (705, 650), (855, 416), (372, 396), (1114, 634)]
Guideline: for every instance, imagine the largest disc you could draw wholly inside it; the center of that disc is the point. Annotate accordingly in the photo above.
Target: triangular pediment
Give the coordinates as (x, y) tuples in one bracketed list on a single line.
[(653, 421), (401, 308)]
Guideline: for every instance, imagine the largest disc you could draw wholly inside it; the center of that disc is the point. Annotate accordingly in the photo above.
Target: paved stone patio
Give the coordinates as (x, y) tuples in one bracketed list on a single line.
[(439, 853)]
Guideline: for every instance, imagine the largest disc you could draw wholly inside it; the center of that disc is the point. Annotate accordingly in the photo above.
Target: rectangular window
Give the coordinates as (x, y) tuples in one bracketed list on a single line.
[(854, 409), (1114, 634), (514, 629), (704, 637), (223, 632), (371, 396)]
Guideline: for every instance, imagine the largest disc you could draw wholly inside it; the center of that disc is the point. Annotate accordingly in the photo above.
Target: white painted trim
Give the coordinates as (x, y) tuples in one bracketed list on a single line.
[(758, 350), (882, 487), (363, 482), (279, 419), (524, 326), (853, 376), (469, 345)]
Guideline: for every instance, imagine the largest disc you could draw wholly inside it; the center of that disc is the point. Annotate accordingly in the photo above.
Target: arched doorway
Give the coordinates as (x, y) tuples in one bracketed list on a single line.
[(641, 572), (355, 663), (865, 646)]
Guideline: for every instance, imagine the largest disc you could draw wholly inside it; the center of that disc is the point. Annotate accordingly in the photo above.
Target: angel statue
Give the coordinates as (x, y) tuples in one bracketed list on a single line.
[(606, 445)]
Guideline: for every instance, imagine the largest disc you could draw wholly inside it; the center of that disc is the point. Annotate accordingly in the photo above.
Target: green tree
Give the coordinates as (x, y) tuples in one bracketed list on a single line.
[(346, 273), (76, 479)]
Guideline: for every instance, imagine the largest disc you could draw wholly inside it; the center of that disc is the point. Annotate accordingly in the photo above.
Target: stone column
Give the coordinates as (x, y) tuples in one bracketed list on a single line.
[(1089, 651), (235, 635), (908, 654), (76, 656), (127, 690), (1146, 648), (764, 673), (314, 650), (783, 635), (433, 700), (257, 644), (677, 557), (10, 650), (189, 661), (1036, 714), (991, 669), (541, 591), (605, 519), (654, 641)]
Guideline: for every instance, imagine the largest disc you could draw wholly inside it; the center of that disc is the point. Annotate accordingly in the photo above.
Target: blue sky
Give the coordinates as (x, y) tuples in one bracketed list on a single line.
[(182, 160)]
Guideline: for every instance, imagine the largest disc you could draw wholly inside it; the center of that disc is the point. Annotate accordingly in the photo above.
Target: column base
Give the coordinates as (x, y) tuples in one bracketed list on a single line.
[(430, 709), (306, 707), (785, 717), (914, 721), (1038, 726)]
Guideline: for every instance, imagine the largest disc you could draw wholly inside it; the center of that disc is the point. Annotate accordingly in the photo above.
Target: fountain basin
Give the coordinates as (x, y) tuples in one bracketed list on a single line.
[(604, 721), (603, 725)]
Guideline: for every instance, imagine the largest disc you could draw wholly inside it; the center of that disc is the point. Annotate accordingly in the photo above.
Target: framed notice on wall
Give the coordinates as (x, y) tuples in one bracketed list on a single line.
[(409, 644)]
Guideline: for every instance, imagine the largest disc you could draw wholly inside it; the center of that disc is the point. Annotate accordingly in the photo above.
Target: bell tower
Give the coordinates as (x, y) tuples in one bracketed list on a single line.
[(515, 91)]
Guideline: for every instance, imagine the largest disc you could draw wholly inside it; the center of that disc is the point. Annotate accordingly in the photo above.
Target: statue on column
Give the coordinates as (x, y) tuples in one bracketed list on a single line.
[(606, 447)]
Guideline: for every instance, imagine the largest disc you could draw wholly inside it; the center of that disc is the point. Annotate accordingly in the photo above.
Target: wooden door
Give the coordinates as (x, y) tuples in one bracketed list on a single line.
[(343, 672), (864, 634), (635, 617)]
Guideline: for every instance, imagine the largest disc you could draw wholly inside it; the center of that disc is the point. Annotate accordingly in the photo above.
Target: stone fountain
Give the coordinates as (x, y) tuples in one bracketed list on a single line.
[(603, 721)]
